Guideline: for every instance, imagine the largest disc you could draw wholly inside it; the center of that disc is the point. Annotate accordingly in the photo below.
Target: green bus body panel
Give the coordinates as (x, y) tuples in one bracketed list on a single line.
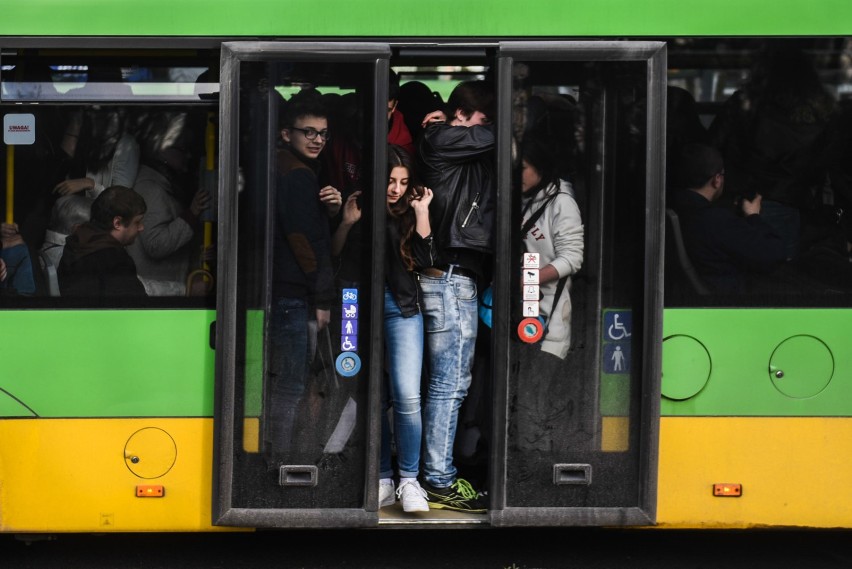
[(747, 348), (106, 363), (400, 18), (254, 363)]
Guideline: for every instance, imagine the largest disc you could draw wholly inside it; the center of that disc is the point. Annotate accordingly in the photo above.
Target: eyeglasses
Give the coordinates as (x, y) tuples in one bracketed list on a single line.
[(312, 133)]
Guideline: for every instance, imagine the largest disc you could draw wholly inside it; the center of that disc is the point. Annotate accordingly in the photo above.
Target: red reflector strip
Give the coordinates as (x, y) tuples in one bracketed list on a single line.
[(727, 490), (150, 491)]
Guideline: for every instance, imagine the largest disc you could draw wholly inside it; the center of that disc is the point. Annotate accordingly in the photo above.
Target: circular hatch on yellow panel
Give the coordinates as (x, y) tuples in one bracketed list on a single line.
[(801, 366), (686, 367), (150, 452)]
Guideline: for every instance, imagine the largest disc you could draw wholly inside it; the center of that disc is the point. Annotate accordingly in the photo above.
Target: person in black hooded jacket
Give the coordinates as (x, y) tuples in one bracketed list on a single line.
[(95, 262)]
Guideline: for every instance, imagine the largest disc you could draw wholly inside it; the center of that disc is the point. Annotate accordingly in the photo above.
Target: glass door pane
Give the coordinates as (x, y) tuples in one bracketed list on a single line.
[(582, 312), (303, 120)]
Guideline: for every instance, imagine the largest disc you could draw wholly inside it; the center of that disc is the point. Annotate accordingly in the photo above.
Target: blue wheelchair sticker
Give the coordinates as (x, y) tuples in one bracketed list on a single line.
[(349, 343), (618, 326)]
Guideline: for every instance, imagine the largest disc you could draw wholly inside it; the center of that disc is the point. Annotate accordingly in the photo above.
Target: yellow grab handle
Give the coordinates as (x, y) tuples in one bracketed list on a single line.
[(10, 184)]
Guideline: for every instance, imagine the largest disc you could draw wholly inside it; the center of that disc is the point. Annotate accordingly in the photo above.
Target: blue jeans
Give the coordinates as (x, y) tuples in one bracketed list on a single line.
[(288, 371), (19, 269), (450, 321), (404, 352)]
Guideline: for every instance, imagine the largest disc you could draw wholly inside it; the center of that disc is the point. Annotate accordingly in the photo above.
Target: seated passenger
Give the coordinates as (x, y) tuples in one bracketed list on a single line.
[(68, 212), (95, 263), (16, 255), (725, 248)]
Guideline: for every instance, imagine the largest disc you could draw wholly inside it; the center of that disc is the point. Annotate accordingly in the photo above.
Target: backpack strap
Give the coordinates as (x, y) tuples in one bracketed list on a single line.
[(537, 213)]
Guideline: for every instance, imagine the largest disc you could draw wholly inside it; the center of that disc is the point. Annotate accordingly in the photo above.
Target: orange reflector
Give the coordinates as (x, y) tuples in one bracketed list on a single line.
[(150, 491), (728, 490)]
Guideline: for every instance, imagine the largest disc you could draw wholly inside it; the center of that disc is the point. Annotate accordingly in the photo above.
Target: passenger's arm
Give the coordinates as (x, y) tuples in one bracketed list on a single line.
[(124, 164), (567, 233), (457, 143), (351, 216)]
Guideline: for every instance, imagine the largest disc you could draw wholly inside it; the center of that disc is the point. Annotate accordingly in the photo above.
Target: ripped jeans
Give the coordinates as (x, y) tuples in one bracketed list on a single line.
[(450, 315)]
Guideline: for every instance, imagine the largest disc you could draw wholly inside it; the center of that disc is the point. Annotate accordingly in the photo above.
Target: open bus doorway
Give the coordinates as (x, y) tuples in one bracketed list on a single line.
[(598, 106)]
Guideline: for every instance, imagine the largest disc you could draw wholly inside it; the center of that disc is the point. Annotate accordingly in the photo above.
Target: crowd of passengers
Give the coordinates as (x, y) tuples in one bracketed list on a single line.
[(440, 201), (114, 208), (81, 193), (764, 193)]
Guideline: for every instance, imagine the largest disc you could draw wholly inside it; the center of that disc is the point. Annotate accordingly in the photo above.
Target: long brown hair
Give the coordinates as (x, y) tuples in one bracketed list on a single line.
[(401, 212)]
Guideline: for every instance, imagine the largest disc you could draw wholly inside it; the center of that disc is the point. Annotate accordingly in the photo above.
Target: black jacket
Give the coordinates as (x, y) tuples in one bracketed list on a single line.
[(95, 265), (402, 282), (302, 249), (723, 246), (457, 163)]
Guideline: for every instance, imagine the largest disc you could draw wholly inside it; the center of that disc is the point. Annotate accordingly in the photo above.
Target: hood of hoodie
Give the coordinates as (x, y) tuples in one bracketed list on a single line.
[(88, 239)]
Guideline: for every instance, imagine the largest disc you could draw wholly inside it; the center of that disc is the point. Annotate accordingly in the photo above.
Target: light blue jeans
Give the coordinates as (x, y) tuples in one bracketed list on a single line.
[(450, 321), (404, 351)]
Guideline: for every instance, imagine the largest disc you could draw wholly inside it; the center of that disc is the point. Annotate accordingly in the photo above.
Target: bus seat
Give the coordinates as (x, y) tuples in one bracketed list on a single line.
[(674, 234)]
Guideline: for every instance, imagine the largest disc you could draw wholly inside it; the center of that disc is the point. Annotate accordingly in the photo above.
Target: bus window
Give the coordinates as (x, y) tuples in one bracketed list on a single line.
[(774, 109), (165, 153)]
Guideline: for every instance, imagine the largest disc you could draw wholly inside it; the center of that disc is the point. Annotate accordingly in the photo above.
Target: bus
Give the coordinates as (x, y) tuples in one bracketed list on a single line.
[(676, 407)]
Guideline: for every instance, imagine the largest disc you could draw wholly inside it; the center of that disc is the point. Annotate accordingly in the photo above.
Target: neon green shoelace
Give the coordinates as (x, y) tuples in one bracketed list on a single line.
[(464, 488)]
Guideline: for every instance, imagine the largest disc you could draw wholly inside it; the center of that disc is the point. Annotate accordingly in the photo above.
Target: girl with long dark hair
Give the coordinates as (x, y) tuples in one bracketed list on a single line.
[(409, 247)]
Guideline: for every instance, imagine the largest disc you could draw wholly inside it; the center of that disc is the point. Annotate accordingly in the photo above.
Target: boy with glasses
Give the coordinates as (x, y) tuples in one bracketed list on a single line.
[(302, 280)]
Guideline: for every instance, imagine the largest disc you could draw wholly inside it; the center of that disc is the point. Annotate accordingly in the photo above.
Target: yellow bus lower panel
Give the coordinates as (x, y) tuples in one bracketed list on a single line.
[(794, 472), (83, 475)]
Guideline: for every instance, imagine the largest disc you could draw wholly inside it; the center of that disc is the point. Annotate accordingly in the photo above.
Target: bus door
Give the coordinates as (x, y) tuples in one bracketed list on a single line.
[(576, 323), (296, 313)]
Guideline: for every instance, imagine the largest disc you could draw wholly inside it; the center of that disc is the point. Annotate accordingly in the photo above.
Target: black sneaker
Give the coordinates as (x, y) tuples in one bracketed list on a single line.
[(459, 496)]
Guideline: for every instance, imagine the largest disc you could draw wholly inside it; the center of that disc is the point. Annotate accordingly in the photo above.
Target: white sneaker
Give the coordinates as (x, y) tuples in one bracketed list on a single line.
[(413, 497), (386, 493)]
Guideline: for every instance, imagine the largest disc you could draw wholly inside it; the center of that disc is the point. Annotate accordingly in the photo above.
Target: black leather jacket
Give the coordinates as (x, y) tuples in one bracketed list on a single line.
[(457, 163)]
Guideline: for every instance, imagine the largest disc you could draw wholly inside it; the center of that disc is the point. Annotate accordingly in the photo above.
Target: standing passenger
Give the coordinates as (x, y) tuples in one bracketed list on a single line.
[(556, 234), (457, 161), (551, 227), (164, 254), (103, 153), (409, 247), (302, 283), (398, 132)]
